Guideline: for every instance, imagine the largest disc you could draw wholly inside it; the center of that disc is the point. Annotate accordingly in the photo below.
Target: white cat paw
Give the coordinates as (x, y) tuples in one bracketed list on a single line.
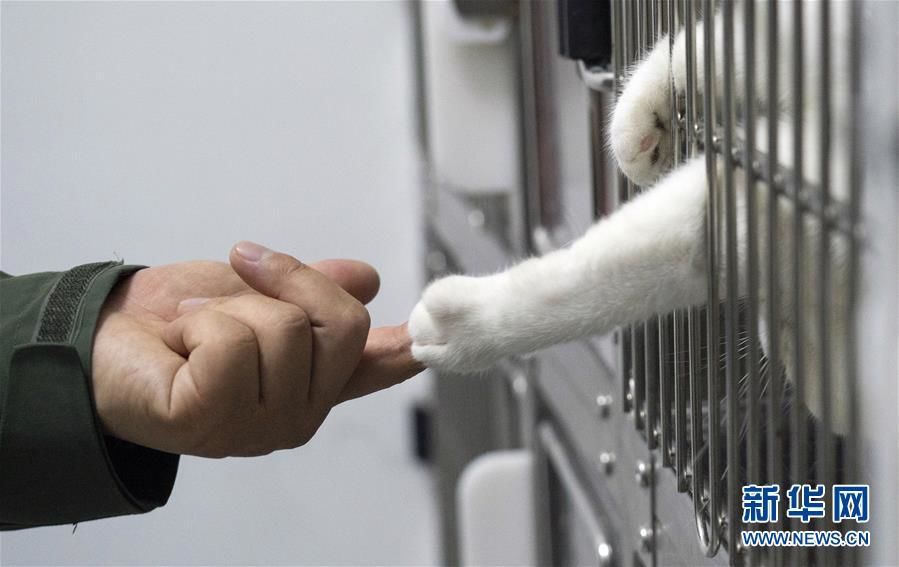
[(638, 133), (452, 328)]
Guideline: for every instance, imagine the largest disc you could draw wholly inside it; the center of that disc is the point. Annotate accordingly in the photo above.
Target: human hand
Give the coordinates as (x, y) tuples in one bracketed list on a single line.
[(215, 360)]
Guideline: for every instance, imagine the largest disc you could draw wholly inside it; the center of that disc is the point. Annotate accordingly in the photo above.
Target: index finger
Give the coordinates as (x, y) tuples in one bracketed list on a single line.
[(386, 361), (339, 322)]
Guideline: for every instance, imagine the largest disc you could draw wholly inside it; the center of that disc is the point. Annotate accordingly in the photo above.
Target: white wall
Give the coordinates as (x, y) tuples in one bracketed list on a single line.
[(166, 132)]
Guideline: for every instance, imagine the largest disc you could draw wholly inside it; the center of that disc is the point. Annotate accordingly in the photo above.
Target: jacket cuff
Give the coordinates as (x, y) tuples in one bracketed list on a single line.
[(57, 465)]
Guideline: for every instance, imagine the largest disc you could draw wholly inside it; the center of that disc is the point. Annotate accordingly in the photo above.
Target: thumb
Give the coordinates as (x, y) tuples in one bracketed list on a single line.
[(356, 278), (285, 278)]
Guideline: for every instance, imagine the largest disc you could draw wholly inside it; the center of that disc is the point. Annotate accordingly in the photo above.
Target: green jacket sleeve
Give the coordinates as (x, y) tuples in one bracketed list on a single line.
[(56, 465)]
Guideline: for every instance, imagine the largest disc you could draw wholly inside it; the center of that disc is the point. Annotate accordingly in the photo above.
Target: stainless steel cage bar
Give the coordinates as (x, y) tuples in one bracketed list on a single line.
[(712, 319), (775, 470), (798, 428), (827, 457), (732, 445), (753, 390)]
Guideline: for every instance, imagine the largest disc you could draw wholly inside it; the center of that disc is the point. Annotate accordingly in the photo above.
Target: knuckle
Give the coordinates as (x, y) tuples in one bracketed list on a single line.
[(357, 320), (241, 337), (292, 320), (289, 266), (229, 333)]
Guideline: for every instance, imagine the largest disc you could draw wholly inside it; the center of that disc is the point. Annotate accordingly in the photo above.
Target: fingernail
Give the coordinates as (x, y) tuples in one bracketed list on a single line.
[(250, 251), (192, 303)]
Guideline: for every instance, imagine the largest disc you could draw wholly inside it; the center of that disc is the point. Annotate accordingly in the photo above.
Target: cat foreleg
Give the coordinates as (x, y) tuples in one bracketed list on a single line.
[(646, 258)]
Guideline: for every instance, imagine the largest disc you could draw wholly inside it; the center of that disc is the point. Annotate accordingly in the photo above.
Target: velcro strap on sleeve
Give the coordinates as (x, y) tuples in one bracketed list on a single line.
[(63, 303)]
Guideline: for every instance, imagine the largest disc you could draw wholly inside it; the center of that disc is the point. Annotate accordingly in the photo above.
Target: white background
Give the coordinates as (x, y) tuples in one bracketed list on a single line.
[(166, 132)]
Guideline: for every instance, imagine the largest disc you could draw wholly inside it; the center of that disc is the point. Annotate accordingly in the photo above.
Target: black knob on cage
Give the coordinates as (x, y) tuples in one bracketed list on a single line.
[(585, 30)]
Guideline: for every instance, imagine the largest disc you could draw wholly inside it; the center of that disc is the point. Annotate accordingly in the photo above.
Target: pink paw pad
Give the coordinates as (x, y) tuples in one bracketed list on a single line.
[(648, 142)]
